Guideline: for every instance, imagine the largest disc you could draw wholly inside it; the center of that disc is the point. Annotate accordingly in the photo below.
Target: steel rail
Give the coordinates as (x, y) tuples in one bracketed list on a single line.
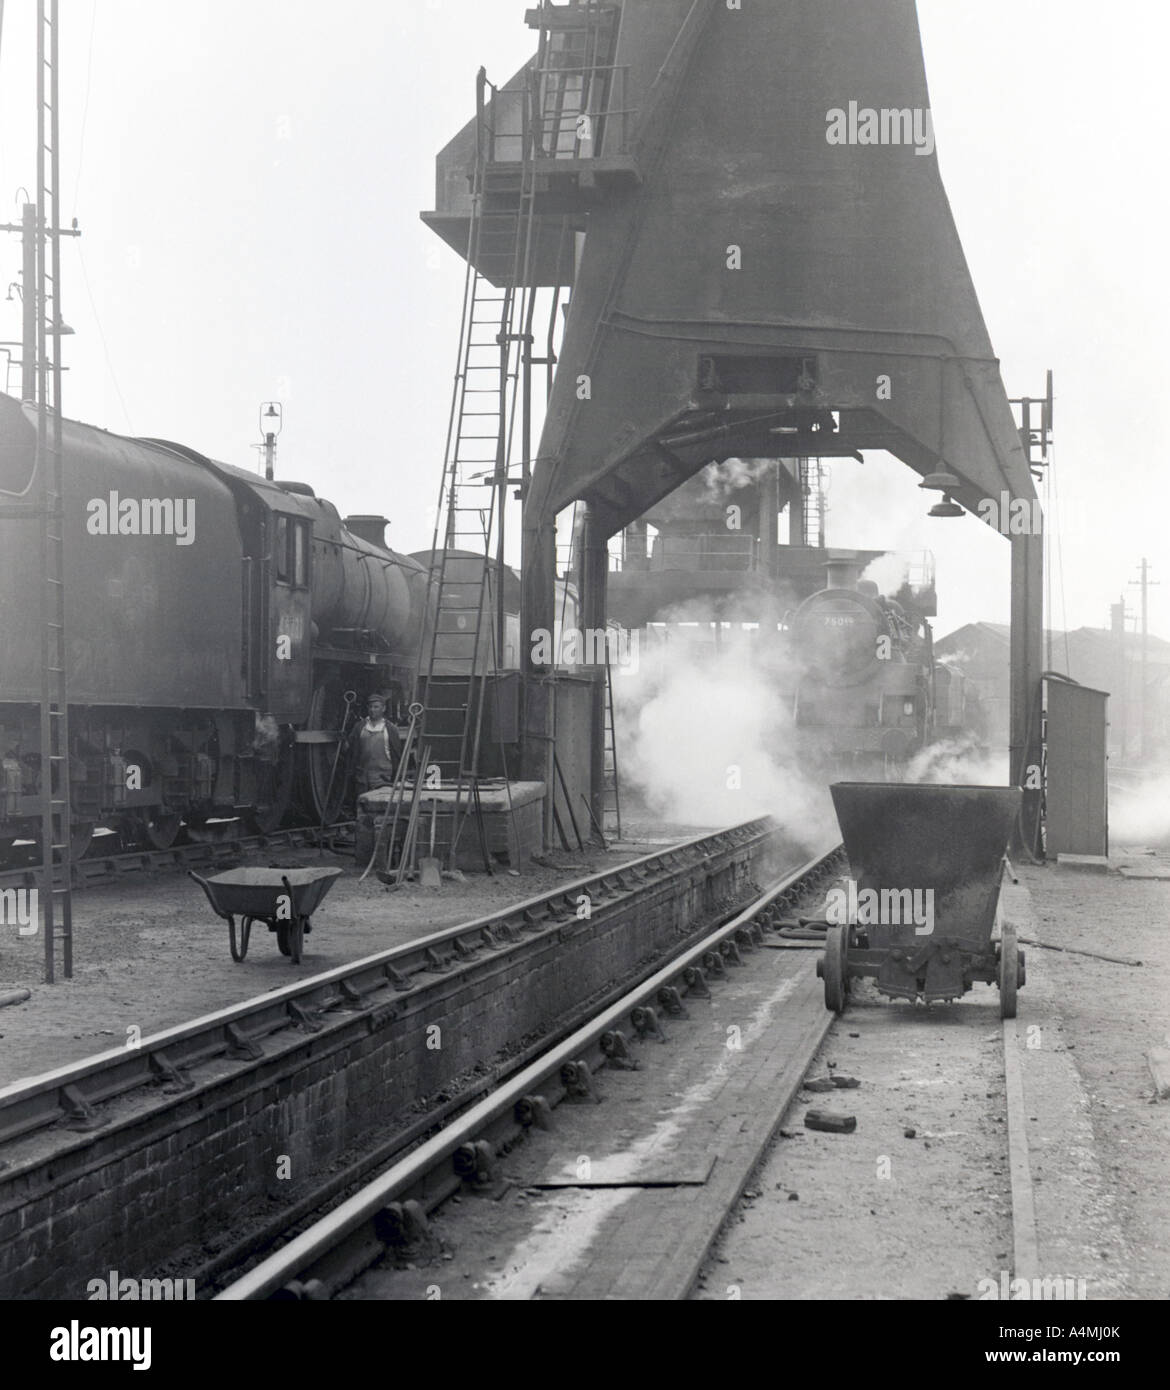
[(293, 1264), (71, 1092)]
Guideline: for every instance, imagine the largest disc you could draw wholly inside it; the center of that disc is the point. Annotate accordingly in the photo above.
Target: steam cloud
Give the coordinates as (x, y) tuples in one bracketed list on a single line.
[(888, 572), (1140, 815), (710, 742), (731, 475), (961, 762)]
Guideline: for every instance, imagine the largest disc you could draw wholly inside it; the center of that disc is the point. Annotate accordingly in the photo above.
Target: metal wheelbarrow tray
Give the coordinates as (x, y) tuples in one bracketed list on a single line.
[(914, 846), (285, 899)]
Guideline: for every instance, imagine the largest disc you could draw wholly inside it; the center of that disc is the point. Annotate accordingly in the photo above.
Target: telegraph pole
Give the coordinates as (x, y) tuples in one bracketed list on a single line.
[(1144, 725), (1121, 675), (41, 231)]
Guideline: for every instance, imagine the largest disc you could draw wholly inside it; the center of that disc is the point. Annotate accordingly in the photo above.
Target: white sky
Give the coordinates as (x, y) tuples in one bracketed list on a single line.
[(248, 176)]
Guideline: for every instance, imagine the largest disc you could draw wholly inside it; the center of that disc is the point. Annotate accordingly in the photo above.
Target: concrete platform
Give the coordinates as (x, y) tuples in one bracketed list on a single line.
[(1086, 863), (513, 816)]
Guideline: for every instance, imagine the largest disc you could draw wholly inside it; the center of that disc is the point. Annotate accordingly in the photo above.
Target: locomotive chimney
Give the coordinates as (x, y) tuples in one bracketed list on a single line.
[(369, 528), (841, 574)]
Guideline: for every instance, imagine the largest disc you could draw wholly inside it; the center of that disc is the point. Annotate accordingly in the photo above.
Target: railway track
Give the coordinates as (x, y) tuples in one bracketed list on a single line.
[(321, 1071), (670, 1092), (609, 1166), (393, 1209), (110, 868)]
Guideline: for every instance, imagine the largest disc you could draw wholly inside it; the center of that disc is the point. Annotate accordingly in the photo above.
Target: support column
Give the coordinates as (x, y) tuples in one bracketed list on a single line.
[(28, 351), (769, 511), (1027, 649), (538, 612), (594, 581), (796, 526)]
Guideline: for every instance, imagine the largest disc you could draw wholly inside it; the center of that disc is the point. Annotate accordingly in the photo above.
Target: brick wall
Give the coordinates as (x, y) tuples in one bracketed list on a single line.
[(173, 1178)]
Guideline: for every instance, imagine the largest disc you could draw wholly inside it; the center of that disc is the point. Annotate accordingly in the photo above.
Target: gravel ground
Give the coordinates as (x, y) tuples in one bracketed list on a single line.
[(149, 953), (916, 1202)]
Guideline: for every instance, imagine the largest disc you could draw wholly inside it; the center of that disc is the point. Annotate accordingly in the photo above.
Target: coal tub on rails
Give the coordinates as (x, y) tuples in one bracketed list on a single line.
[(918, 914)]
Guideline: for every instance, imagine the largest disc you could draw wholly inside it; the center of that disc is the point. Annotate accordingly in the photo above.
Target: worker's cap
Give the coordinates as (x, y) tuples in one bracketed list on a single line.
[(376, 695)]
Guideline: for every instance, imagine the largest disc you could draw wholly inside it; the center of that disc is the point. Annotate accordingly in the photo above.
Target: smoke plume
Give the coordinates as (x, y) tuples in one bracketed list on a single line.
[(708, 740), (1140, 815), (961, 762)]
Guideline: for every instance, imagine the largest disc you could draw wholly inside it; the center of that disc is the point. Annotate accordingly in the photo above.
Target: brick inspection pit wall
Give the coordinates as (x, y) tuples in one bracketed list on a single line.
[(182, 1172)]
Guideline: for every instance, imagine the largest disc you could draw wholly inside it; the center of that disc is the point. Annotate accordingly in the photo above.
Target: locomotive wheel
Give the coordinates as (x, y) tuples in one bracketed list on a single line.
[(80, 836), (324, 776), (835, 970), (273, 795), (282, 938), (239, 946), (162, 828), (1009, 967)]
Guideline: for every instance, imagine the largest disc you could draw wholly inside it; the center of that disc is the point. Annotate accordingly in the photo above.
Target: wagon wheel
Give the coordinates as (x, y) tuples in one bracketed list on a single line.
[(273, 791), (240, 949), (1009, 972), (80, 835), (162, 827), (283, 930), (835, 969)]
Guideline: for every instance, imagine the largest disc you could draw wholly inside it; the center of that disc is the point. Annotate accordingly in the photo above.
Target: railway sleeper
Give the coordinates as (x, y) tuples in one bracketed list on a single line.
[(402, 1224), (174, 1079), (533, 1112), (671, 1001), (645, 1021), (617, 1051), (475, 1163), (577, 1080)]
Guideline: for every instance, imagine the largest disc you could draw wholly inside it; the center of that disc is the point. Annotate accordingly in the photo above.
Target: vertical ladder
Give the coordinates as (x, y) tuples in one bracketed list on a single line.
[(466, 635), (611, 801), (812, 485), (55, 879)]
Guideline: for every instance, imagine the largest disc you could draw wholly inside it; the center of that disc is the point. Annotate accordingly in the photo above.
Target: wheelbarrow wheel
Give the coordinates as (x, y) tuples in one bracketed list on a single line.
[(1009, 972), (296, 940), (239, 943), (283, 937), (835, 969)]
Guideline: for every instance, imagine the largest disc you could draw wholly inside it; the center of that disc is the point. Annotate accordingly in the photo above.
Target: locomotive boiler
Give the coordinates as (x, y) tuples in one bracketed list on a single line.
[(214, 621), (864, 700)]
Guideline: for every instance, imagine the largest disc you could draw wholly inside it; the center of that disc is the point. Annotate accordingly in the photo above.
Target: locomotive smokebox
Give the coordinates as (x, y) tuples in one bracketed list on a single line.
[(949, 840)]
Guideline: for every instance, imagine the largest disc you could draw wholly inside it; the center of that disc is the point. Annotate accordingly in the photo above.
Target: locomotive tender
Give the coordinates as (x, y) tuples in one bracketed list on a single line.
[(214, 621)]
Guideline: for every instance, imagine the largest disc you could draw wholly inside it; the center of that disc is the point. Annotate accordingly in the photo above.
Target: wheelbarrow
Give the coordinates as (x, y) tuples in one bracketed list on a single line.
[(917, 916), (283, 898)]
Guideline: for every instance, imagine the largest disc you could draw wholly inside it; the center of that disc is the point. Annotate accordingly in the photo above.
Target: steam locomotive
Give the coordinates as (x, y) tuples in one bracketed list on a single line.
[(214, 621), (871, 695)]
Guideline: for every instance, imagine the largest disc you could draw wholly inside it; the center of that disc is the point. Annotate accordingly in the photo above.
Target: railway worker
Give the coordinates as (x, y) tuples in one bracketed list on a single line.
[(376, 746)]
